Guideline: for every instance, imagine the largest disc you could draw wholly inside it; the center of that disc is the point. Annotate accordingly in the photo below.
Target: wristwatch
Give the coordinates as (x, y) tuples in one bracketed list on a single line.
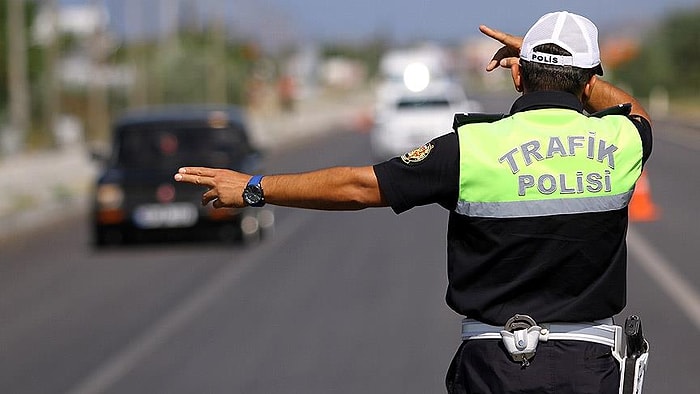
[(253, 193)]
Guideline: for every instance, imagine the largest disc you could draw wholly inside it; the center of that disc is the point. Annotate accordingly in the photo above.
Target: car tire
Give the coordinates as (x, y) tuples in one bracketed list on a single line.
[(107, 237)]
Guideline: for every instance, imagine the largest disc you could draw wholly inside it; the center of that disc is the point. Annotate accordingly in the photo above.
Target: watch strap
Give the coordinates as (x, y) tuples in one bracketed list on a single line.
[(256, 179), (254, 187)]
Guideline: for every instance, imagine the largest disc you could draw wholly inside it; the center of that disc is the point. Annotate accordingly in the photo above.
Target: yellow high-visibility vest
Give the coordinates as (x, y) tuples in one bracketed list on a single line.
[(547, 162)]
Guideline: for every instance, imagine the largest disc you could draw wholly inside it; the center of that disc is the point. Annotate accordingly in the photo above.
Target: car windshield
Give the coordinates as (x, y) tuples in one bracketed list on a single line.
[(422, 103), (167, 146)]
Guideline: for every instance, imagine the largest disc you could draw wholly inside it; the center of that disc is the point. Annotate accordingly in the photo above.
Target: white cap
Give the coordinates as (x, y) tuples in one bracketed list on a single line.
[(572, 32)]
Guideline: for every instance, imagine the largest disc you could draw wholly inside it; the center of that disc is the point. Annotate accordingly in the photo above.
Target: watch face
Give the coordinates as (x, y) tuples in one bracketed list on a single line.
[(253, 195)]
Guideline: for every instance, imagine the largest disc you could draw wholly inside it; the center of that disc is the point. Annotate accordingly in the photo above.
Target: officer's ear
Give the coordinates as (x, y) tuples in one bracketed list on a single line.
[(588, 89), (515, 73)]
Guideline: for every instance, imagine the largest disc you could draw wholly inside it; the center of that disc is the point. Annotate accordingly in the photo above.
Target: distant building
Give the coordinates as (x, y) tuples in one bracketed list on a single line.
[(78, 20), (434, 57), (77, 66), (343, 73)]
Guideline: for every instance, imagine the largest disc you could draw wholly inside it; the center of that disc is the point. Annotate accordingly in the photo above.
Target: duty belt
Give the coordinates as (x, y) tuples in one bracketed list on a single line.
[(521, 334)]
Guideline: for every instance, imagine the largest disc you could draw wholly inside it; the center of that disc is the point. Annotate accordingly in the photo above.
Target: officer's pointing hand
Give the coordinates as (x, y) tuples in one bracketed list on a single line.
[(509, 53), (225, 187)]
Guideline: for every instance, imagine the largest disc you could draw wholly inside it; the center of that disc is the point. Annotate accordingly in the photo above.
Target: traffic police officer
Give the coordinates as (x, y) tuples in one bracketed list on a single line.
[(538, 213)]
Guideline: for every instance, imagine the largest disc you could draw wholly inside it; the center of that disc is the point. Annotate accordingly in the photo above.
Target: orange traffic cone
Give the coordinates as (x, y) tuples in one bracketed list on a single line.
[(642, 208)]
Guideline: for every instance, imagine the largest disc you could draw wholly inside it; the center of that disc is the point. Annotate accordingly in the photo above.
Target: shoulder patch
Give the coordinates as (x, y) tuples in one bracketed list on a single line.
[(417, 155)]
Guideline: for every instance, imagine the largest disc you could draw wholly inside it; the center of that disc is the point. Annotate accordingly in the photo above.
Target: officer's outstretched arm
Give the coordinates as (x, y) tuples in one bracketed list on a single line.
[(599, 95), (337, 188)]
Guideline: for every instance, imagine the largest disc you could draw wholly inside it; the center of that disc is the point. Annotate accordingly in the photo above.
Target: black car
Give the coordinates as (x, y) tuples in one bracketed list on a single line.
[(136, 197)]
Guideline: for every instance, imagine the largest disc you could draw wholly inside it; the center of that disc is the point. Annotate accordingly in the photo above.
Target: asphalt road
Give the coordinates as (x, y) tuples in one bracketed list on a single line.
[(664, 275), (334, 303)]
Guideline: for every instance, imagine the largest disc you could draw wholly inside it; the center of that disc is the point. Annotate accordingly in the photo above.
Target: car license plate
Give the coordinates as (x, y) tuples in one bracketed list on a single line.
[(166, 216)]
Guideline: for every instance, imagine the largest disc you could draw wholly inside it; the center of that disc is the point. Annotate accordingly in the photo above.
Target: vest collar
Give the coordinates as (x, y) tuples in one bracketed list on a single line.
[(546, 99)]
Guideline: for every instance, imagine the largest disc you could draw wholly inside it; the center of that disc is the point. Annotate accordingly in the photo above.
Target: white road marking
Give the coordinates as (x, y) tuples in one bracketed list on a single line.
[(663, 273), (119, 365)]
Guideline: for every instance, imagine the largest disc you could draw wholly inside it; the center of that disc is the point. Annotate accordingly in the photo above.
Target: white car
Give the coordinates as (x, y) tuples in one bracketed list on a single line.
[(406, 119)]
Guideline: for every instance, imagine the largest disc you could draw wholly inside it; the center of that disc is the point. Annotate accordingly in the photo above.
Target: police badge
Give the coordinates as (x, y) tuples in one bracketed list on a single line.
[(417, 155)]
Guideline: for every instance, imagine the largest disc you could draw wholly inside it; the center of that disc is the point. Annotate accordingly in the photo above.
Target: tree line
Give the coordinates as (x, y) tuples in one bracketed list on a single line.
[(208, 64), (668, 58)]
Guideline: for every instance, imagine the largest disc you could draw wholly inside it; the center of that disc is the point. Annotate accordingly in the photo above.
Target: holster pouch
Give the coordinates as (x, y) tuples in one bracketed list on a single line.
[(632, 375), (633, 367), (520, 336)]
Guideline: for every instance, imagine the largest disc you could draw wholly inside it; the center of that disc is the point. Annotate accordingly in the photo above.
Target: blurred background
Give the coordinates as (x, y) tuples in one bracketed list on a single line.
[(323, 305), (69, 66)]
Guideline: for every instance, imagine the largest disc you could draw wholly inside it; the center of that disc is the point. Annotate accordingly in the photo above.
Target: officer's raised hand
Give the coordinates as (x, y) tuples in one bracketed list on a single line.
[(509, 53)]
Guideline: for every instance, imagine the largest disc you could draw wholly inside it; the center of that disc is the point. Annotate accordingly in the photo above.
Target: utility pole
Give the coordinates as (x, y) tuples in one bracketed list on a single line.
[(98, 102), (18, 82), (138, 91), (168, 43), (51, 92), (216, 77)]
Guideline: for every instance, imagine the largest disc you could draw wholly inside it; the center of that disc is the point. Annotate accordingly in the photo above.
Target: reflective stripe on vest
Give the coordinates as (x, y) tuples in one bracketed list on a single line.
[(547, 162)]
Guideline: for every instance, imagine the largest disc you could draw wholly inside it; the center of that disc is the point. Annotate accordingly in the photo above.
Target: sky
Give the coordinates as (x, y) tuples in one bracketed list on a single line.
[(404, 20), (453, 19)]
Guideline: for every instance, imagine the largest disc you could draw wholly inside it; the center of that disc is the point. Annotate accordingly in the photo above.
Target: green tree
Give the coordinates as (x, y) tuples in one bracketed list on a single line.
[(668, 57), (180, 72), (34, 51)]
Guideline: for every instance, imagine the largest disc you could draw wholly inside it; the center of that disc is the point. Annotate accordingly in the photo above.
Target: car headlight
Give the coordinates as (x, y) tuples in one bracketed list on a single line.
[(416, 77), (109, 196)]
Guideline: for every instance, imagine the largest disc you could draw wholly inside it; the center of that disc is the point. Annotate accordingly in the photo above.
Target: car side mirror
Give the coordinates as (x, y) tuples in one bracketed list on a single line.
[(99, 153)]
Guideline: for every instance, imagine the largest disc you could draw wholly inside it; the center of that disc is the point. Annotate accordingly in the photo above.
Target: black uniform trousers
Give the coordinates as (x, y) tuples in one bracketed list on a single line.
[(484, 366)]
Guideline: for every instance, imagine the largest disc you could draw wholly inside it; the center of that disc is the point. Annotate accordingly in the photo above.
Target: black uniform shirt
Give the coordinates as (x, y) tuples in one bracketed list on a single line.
[(491, 293)]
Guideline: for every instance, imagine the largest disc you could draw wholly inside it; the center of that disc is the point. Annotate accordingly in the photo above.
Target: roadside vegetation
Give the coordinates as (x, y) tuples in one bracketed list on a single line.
[(205, 62), (668, 57)]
